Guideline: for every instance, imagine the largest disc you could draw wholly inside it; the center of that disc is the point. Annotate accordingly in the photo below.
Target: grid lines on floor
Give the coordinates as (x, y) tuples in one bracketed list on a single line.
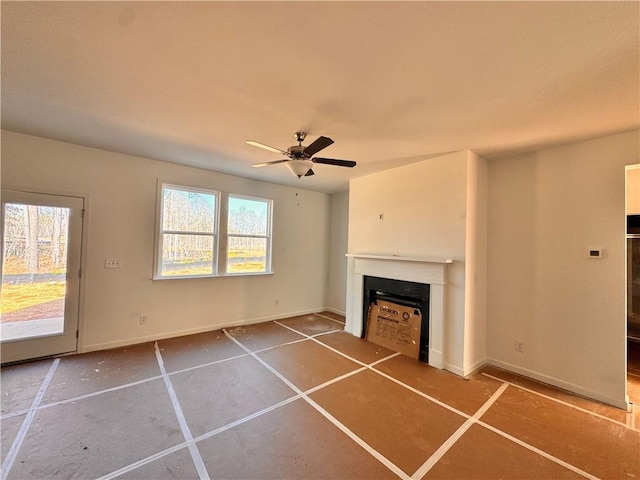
[(296, 398)]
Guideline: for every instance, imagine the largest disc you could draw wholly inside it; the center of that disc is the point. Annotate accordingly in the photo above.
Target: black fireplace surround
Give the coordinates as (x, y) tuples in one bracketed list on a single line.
[(409, 294)]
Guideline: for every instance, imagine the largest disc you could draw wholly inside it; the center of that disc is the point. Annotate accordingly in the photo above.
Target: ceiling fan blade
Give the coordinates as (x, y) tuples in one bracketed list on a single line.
[(257, 165), (317, 145), (253, 143), (309, 173), (334, 161)]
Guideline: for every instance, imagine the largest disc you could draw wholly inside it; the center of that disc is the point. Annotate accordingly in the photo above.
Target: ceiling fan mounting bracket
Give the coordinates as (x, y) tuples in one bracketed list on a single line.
[(300, 136)]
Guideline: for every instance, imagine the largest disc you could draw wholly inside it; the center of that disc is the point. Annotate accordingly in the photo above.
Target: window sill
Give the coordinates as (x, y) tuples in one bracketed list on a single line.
[(186, 277), (246, 274)]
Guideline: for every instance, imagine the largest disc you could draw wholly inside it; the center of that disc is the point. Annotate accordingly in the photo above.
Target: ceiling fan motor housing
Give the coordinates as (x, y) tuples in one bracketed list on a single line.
[(297, 151)]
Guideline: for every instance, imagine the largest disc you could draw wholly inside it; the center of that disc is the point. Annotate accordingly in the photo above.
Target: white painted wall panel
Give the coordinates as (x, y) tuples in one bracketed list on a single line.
[(339, 225), (545, 209)]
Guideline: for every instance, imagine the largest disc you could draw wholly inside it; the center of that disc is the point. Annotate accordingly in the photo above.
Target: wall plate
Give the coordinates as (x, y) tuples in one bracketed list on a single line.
[(595, 253)]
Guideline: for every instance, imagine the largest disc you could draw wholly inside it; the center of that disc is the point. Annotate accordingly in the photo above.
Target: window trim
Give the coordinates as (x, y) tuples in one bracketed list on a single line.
[(160, 232), (221, 234), (268, 235)]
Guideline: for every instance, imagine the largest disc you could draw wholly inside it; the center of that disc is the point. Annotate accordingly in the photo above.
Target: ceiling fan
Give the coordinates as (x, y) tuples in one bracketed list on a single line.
[(300, 159)]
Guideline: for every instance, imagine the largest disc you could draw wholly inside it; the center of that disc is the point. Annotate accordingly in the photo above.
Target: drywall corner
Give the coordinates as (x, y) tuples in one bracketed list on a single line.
[(475, 340)]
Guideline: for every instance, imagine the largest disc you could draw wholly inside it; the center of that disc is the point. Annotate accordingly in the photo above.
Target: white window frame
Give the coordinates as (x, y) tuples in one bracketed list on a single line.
[(160, 232), (268, 235)]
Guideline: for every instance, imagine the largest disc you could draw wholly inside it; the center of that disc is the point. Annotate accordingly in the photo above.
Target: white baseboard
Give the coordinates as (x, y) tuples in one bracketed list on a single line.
[(454, 369), (191, 331), (556, 382), (478, 364), (333, 310), (436, 358)]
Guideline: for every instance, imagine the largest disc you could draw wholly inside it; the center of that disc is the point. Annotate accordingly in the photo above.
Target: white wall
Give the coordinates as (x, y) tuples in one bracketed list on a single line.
[(425, 208), (120, 223), (633, 190), (545, 209), (475, 325), (339, 221)]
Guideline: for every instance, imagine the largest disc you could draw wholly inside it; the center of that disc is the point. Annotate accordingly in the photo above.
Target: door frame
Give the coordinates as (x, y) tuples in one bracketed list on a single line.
[(75, 273), (628, 210)]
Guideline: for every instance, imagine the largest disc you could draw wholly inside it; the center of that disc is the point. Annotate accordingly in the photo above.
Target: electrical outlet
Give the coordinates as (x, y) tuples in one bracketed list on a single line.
[(519, 346), (143, 319), (111, 263), (595, 253)]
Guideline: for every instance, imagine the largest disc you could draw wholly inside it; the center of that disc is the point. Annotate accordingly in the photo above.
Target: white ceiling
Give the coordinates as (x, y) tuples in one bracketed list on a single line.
[(389, 82)]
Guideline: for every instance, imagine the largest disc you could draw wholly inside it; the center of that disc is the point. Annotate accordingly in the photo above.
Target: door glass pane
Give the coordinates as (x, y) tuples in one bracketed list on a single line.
[(34, 270)]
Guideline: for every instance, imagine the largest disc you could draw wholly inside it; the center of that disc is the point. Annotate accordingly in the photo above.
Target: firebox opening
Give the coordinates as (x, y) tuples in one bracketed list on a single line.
[(410, 294)]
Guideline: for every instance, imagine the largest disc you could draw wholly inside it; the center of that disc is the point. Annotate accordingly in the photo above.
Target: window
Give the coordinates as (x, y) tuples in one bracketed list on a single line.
[(248, 235), (195, 224), (188, 237)]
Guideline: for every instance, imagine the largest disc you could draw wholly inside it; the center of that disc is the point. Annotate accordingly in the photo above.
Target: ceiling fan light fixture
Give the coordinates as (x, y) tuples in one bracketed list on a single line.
[(299, 167)]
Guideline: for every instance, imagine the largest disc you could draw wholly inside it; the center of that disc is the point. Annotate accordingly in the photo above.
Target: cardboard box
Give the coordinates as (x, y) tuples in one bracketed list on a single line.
[(395, 327)]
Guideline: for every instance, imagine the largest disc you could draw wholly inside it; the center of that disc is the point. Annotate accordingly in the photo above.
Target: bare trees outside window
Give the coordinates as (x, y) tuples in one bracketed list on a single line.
[(191, 226), (188, 240), (248, 235), (34, 262)]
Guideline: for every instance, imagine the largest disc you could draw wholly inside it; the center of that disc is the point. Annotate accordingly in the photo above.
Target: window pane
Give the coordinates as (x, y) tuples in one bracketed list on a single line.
[(186, 211), (32, 299), (247, 255), (247, 217), (187, 255)]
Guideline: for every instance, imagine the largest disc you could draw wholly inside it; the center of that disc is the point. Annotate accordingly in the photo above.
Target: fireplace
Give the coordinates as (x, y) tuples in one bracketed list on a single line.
[(431, 272), (410, 294)]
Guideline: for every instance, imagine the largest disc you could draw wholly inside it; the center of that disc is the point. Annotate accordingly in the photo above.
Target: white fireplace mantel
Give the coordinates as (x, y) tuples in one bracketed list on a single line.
[(428, 270)]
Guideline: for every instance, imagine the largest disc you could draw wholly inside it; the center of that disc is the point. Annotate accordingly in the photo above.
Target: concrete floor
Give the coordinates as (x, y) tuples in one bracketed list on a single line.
[(297, 399)]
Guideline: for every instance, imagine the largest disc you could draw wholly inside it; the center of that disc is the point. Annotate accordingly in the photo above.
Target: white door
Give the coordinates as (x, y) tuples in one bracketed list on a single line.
[(41, 252)]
